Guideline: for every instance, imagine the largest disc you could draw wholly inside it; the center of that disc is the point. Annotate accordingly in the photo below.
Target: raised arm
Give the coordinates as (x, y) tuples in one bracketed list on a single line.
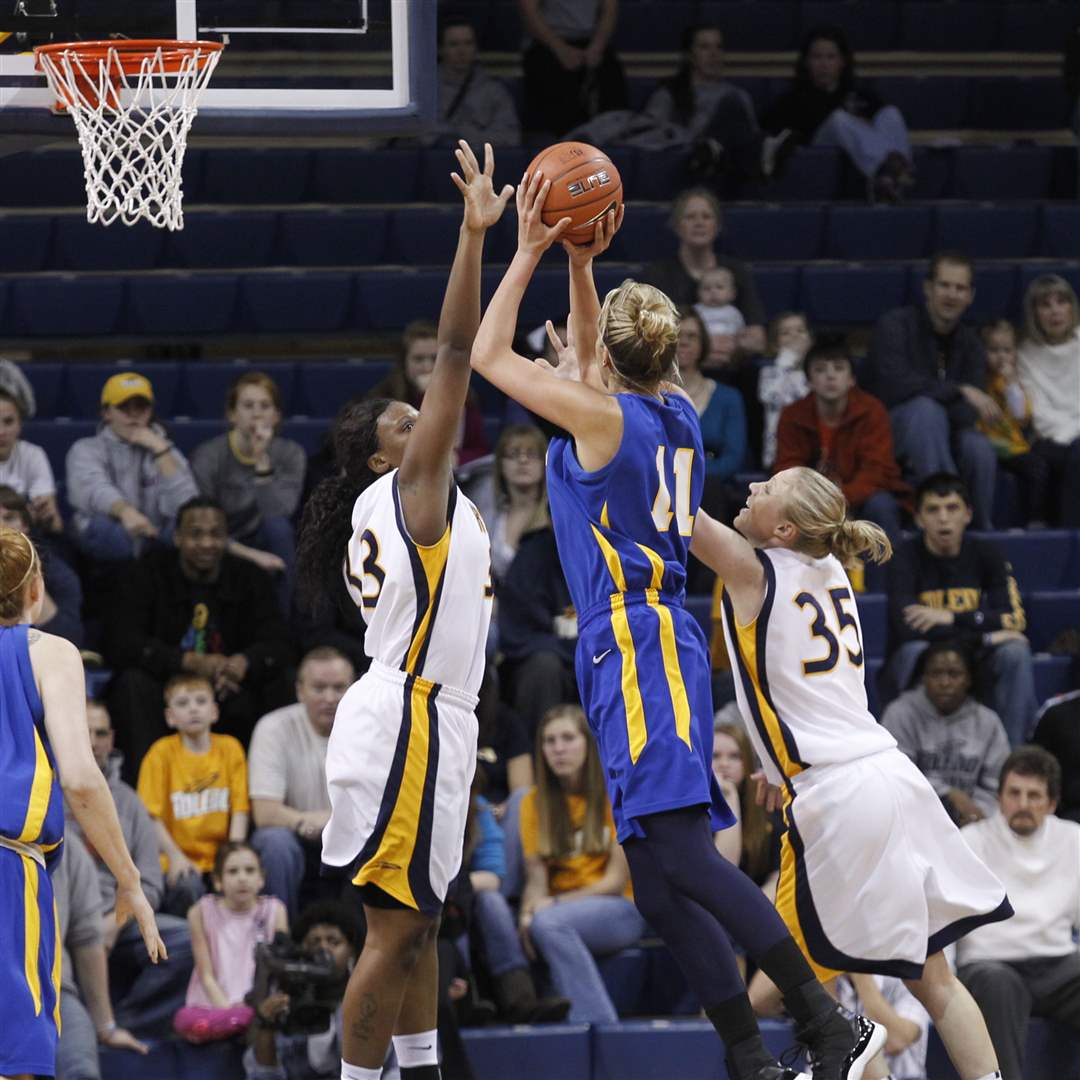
[(590, 415), (424, 476), (734, 561)]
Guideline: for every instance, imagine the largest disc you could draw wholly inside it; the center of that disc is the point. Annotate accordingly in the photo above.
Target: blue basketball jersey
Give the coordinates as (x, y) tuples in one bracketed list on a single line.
[(623, 534)]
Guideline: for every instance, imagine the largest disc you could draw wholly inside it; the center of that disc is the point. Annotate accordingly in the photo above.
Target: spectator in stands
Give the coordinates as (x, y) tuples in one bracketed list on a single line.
[(843, 432), (1057, 730), (716, 306), (1009, 434), (472, 105), (256, 476), (825, 106), (1049, 363), (696, 222), (723, 422), (408, 380), (537, 630), (127, 482), (61, 611), (146, 995), (782, 381), (504, 754), (1028, 965), (716, 116), (195, 786), (25, 467), (956, 743), (944, 585), (576, 902), (287, 776), (325, 927), (195, 609), (930, 371), (886, 1000), (571, 71), (86, 1014), (520, 493), (226, 928)]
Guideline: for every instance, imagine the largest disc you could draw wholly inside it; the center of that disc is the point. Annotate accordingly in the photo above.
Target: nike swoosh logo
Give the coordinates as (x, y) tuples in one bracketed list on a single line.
[(599, 657)]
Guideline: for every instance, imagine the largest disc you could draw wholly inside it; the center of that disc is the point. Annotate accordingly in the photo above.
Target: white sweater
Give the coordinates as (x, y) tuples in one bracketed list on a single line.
[(1051, 376), (1041, 873)]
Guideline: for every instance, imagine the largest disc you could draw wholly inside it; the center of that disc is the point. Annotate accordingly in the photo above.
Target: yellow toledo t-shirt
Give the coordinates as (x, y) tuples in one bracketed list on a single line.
[(578, 869), (194, 795)]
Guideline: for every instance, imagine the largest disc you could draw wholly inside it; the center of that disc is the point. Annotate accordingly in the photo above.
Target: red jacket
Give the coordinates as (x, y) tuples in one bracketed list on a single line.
[(861, 460)]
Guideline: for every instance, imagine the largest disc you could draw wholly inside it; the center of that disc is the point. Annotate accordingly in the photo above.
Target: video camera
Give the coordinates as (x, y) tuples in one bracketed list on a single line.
[(314, 984)]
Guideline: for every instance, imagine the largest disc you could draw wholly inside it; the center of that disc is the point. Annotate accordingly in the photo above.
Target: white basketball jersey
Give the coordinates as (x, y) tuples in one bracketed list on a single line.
[(427, 609), (799, 668)]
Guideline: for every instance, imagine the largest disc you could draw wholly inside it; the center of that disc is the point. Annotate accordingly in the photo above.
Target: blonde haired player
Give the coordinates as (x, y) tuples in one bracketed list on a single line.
[(874, 875), (415, 559)]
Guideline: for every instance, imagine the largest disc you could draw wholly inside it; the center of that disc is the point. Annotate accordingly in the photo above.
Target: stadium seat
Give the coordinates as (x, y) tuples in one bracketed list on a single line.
[(78, 245), (224, 239), (1060, 231), (25, 243), (55, 438), (1021, 172), (750, 26), (933, 172), (1053, 675), (363, 176), (1052, 1051), (1040, 560), (47, 381), (867, 28), (315, 301), (987, 231), (774, 232), (388, 301), (182, 303), (1070, 271), (625, 976), (1032, 27), (333, 236), (962, 25), (206, 386), (1050, 612), (812, 174), (84, 383), (1019, 103), (528, 1052), (325, 387), (307, 432), (3, 303), (188, 434), (660, 174), (778, 287), (66, 306), (927, 102), (261, 174), (44, 178), (874, 619), (425, 236), (995, 291), (875, 232), (645, 234), (852, 293), (644, 28)]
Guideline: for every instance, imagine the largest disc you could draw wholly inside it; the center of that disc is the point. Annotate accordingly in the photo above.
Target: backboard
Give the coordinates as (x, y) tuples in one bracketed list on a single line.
[(322, 66)]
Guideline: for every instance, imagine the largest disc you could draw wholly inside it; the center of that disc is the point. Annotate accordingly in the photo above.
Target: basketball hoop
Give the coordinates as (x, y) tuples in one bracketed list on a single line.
[(133, 103)]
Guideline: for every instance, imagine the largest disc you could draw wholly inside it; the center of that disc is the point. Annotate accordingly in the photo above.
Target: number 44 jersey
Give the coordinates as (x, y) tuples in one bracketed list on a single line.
[(800, 668), (427, 608)]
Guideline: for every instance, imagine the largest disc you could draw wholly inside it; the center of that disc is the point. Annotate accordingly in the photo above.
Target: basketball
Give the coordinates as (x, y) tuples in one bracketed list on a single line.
[(585, 185)]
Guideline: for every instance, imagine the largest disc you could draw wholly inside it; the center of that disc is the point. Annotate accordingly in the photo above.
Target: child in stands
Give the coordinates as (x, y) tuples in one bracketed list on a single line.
[(782, 381), (717, 294), (225, 929), (25, 466)]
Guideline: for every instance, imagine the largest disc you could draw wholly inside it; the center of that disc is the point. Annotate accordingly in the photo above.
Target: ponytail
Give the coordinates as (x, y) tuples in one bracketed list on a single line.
[(18, 562), (860, 539)]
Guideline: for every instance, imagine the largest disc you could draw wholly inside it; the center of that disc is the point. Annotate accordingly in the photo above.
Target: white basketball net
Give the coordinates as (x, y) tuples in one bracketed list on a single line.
[(132, 128)]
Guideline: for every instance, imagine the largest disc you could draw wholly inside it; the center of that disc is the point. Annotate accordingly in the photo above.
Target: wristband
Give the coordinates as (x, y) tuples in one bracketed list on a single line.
[(106, 1030), (164, 450)]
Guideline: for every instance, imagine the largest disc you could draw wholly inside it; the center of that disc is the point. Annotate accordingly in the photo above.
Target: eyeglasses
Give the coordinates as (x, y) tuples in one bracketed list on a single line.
[(522, 454)]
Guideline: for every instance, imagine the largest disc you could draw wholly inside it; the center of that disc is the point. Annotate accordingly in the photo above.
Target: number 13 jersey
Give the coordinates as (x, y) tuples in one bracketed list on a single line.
[(427, 609), (800, 666)]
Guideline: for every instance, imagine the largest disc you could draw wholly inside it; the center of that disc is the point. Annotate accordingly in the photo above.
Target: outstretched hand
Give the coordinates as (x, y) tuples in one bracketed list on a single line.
[(482, 206), (566, 364), (534, 236), (606, 227)]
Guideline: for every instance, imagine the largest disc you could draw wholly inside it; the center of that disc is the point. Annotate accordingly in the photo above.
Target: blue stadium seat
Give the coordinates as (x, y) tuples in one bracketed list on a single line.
[(625, 975), (25, 243), (352, 176), (660, 174), (867, 27), (775, 232), (82, 246), (933, 172), (645, 234), (876, 232), (642, 28), (224, 239), (843, 294), (1040, 560), (1050, 612), (425, 235), (182, 303), (3, 303), (528, 1052), (995, 292), (779, 288), (1030, 27), (1060, 231), (749, 26), (386, 302), (1017, 103), (84, 383), (48, 383), (307, 432), (1053, 675), (874, 619), (188, 434), (812, 174), (986, 231), (1070, 271), (206, 384), (928, 102), (334, 237), (44, 178), (963, 25), (314, 301), (1052, 1051), (261, 174), (62, 306), (1021, 172), (55, 438), (325, 387)]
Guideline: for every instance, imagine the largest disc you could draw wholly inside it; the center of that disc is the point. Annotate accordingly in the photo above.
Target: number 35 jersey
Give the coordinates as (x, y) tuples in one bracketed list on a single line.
[(800, 667), (427, 609)]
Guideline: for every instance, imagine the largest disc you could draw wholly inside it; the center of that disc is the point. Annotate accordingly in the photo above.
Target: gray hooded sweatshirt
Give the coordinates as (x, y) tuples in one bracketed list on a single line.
[(964, 750)]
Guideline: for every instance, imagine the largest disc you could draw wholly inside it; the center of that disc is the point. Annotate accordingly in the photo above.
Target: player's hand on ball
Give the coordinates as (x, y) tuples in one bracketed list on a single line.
[(534, 237), (482, 206), (606, 228)]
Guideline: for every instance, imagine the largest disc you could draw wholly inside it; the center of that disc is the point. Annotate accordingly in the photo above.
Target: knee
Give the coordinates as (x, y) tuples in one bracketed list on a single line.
[(548, 924), (1010, 655), (924, 410), (977, 449), (989, 978)]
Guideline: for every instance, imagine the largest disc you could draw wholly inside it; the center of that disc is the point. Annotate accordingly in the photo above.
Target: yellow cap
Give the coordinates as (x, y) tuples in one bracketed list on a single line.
[(124, 387)]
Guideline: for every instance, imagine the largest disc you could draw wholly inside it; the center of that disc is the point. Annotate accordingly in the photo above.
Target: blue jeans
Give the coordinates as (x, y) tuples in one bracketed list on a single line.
[(276, 535), (285, 862), (867, 142), (882, 509), (925, 442), (1006, 669), (153, 991), (77, 1052), (104, 538), (569, 935)]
